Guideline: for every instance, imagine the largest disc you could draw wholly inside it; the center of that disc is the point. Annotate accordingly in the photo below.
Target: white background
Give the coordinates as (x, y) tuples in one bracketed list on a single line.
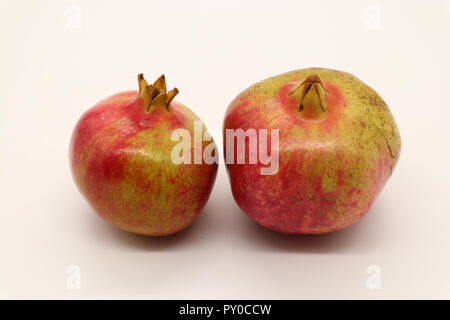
[(52, 71)]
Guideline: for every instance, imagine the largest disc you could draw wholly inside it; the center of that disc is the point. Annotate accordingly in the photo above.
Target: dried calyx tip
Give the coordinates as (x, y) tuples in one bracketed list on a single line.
[(311, 82), (155, 94)]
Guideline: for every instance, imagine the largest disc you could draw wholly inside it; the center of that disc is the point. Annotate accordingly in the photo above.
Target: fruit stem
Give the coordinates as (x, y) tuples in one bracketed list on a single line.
[(155, 95), (310, 94)]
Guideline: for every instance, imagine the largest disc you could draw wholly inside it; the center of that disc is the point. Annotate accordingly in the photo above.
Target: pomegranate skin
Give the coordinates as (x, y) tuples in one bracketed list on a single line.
[(120, 158), (334, 159)]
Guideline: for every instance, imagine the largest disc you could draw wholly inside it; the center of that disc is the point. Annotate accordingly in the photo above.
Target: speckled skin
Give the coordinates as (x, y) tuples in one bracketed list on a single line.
[(331, 168), (120, 157)]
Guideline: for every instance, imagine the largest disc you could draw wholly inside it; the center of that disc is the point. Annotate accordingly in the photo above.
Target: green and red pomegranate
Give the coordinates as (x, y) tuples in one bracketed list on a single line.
[(333, 144), (338, 145), (120, 157)]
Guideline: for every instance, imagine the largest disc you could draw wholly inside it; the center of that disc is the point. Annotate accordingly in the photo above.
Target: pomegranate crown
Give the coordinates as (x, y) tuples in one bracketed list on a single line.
[(155, 94), (314, 83)]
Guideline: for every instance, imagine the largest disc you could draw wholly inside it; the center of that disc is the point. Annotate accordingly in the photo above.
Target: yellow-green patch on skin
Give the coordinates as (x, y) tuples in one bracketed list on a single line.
[(329, 182)]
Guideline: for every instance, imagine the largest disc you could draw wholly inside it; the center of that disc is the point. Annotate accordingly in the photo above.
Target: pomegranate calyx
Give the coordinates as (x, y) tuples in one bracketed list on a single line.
[(310, 94), (155, 94)]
